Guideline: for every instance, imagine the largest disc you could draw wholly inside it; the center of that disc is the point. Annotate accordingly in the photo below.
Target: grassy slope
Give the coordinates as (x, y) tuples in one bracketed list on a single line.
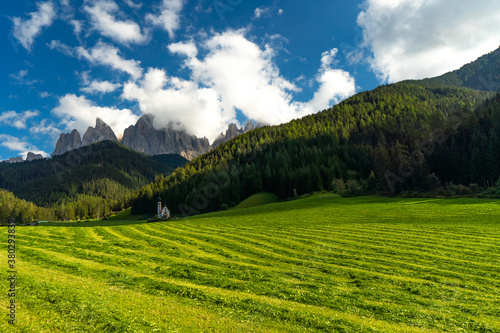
[(320, 264), (257, 200)]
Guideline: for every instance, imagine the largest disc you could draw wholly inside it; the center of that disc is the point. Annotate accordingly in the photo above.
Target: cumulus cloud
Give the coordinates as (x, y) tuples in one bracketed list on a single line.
[(77, 112), (331, 80), (103, 18), (107, 55), (25, 31), (188, 49), (17, 120), (23, 147), (168, 18), (178, 103), (236, 74), (412, 39)]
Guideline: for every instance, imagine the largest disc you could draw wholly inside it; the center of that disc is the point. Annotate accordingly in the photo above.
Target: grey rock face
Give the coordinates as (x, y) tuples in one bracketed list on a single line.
[(15, 160), (67, 142), (31, 156), (143, 137), (101, 132), (249, 126), (232, 132)]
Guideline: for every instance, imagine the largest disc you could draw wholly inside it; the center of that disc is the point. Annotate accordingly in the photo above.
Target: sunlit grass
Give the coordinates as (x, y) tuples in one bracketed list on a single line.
[(324, 263)]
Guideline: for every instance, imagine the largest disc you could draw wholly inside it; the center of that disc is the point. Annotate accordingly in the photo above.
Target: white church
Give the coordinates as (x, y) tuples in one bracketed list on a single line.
[(163, 212)]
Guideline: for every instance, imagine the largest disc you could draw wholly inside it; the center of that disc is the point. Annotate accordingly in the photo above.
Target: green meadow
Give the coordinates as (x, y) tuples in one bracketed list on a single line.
[(320, 264)]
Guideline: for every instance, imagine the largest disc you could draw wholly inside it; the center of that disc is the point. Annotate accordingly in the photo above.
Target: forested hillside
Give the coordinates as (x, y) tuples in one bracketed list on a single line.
[(90, 181), (401, 137)]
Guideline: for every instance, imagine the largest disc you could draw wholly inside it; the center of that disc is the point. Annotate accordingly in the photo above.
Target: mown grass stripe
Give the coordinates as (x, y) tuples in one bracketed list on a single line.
[(294, 311)]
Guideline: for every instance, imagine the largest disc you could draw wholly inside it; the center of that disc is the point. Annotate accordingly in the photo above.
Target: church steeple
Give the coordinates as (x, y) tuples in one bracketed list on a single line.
[(159, 208)]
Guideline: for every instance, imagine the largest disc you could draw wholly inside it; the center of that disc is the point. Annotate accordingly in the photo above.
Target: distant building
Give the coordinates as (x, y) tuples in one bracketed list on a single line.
[(162, 212)]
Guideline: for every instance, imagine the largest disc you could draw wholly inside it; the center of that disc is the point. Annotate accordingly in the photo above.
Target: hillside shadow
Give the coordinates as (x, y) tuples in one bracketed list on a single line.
[(100, 223)]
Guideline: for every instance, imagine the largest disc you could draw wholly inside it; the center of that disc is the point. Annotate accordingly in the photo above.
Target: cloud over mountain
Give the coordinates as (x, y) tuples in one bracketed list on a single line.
[(77, 112), (413, 39), (235, 75)]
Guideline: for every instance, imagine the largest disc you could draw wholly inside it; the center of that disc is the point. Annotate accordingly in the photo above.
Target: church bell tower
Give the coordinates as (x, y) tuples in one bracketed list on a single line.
[(159, 207)]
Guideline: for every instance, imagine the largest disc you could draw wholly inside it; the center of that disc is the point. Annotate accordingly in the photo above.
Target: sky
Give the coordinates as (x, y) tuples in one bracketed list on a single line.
[(199, 65)]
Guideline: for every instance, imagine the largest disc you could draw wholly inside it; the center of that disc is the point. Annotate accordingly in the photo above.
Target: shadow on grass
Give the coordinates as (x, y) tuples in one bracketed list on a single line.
[(98, 223)]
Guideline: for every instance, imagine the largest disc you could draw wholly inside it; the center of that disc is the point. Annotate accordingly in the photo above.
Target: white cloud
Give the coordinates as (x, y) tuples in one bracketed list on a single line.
[(132, 4), (102, 17), (21, 77), (178, 103), (97, 87), (280, 11), (412, 39), (45, 128), (23, 147), (77, 27), (17, 120), (77, 112), (335, 86), (100, 87), (235, 74), (328, 58), (107, 55), (261, 11), (25, 31), (187, 49), (61, 47), (168, 18)]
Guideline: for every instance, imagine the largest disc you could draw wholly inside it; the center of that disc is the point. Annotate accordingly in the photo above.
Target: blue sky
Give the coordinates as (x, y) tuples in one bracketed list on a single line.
[(201, 64)]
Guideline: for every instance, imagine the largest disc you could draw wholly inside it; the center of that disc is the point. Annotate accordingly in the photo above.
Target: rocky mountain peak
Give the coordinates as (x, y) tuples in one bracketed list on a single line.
[(31, 156), (100, 132), (67, 142), (143, 137), (249, 126), (18, 159), (232, 132)]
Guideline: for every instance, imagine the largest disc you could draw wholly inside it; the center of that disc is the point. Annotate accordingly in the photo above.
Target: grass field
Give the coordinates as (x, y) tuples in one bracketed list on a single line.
[(323, 263), (257, 200)]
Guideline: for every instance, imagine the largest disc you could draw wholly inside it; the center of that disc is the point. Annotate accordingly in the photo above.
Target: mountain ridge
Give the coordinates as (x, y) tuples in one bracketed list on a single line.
[(145, 138)]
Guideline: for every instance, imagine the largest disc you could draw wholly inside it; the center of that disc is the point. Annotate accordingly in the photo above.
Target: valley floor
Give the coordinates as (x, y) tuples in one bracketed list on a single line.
[(324, 263)]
